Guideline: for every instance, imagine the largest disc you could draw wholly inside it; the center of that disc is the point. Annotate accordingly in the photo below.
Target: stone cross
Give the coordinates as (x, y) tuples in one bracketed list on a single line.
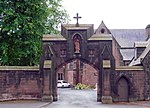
[(77, 17)]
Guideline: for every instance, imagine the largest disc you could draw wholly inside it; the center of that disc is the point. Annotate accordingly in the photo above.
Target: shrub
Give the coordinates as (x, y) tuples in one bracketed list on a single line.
[(80, 86)]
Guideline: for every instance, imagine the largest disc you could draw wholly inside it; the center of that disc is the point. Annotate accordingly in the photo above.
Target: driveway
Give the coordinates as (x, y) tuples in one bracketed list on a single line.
[(22, 104), (86, 99), (73, 99)]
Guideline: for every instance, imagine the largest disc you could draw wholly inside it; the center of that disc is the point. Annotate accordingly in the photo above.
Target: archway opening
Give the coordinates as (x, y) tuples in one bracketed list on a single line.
[(77, 71), (81, 76)]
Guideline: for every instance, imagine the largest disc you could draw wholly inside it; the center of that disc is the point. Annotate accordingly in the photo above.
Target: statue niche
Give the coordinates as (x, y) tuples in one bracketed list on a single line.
[(77, 43)]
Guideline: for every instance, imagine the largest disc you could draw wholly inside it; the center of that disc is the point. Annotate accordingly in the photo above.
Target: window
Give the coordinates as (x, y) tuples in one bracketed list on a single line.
[(102, 30), (91, 52), (63, 53), (60, 76)]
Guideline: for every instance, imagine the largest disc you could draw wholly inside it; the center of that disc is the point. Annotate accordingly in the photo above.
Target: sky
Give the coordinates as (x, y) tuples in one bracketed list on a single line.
[(116, 14)]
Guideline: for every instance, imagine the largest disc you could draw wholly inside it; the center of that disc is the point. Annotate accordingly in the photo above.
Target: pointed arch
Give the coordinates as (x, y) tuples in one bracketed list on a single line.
[(73, 76), (123, 86), (77, 34), (77, 40), (81, 59)]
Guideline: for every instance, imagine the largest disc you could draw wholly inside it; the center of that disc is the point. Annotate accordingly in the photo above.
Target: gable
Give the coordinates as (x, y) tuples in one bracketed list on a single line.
[(102, 29), (141, 57)]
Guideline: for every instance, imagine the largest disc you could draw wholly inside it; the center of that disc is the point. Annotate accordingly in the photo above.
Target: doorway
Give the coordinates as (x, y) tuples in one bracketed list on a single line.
[(123, 90)]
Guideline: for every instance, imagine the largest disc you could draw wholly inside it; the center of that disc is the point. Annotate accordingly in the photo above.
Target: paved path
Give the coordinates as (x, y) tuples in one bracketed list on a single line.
[(73, 99), (22, 104), (85, 99)]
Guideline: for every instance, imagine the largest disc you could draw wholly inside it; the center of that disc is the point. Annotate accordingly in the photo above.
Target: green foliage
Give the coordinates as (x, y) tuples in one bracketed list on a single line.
[(56, 16), (80, 86), (22, 26)]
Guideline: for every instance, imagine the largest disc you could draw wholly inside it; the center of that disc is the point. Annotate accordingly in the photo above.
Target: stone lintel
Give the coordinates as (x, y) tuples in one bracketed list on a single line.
[(100, 37), (53, 38), (130, 68), (23, 68)]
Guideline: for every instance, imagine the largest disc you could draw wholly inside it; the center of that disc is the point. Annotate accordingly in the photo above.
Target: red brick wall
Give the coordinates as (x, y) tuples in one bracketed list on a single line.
[(19, 84), (137, 83), (70, 77), (116, 53), (89, 76)]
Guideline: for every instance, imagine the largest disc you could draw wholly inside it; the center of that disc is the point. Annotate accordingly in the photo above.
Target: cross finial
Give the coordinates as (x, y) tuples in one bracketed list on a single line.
[(77, 17)]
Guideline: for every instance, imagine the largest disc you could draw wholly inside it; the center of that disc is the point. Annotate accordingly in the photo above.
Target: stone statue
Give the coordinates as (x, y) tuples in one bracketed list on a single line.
[(77, 45)]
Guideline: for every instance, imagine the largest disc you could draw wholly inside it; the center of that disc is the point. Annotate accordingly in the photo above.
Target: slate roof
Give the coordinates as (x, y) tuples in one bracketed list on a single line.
[(127, 37), (142, 56), (127, 54)]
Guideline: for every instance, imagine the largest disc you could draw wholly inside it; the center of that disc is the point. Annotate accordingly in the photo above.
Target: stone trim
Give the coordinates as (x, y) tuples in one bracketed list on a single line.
[(123, 68), (73, 27), (101, 37), (106, 64), (140, 44), (47, 64), (53, 38), (17, 68)]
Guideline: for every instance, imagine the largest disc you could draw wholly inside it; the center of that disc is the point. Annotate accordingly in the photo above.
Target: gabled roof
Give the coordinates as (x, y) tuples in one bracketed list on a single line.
[(102, 26), (127, 37), (142, 56)]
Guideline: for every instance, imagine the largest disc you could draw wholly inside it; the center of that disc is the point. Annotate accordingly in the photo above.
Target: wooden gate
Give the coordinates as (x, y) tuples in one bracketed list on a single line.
[(123, 90)]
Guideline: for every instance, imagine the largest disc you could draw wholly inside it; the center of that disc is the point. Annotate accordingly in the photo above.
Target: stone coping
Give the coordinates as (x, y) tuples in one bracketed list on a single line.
[(23, 68), (53, 38), (140, 44), (101, 37), (73, 26), (129, 68)]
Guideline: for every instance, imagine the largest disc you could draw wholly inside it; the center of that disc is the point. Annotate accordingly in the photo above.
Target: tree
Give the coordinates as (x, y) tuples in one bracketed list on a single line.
[(22, 26)]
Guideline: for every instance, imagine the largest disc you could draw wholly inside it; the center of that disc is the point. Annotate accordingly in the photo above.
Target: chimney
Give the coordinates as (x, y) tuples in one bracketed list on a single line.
[(148, 31)]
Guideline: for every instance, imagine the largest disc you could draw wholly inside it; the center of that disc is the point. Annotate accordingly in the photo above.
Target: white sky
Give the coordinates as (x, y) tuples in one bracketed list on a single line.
[(123, 14)]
